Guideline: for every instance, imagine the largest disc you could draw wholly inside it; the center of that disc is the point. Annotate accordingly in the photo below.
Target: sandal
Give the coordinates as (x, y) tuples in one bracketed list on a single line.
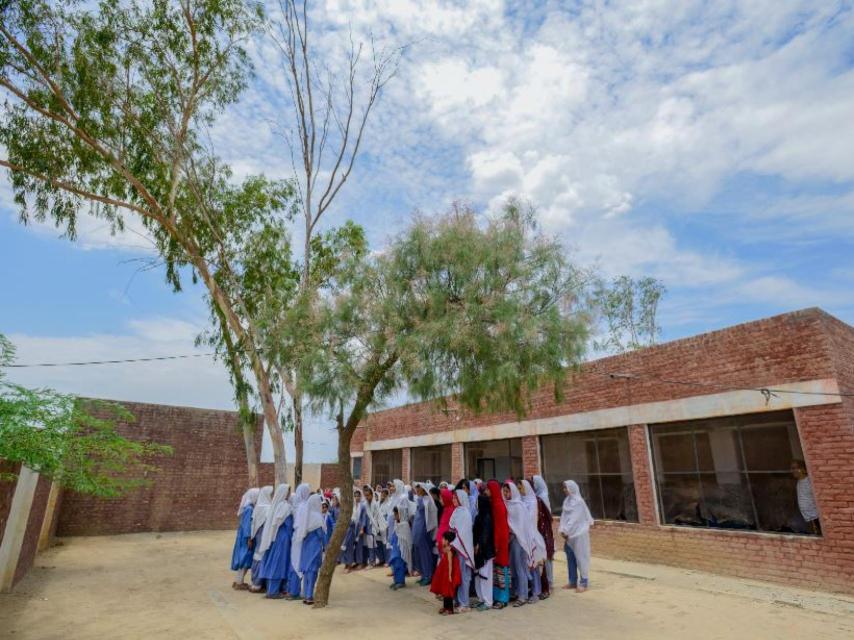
[(308, 601), (519, 603), (275, 596), (499, 605)]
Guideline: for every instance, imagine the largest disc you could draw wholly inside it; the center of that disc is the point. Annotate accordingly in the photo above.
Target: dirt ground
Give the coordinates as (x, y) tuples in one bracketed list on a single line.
[(177, 585)]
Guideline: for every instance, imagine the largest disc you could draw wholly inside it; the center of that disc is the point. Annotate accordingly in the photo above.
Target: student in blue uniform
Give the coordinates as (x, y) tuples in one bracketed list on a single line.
[(241, 555), (355, 534), (401, 546), (312, 527), (259, 518), (299, 503), (275, 548)]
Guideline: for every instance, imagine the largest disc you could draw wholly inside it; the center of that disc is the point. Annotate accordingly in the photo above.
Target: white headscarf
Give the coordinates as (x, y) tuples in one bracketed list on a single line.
[(358, 507), (279, 512), (250, 497), (308, 518), (530, 501), (375, 517), (262, 508), (521, 524), (542, 491), (431, 514), (575, 518), (299, 502), (399, 492), (404, 533), (461, 524)]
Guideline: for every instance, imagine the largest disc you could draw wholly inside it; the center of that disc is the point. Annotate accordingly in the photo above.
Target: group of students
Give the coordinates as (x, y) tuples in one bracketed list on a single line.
[(478, 545)]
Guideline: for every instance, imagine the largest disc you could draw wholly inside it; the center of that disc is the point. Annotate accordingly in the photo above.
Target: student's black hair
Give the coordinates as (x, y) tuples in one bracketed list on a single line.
[(800, 463), (356, 492), (450, 536), (462, 484)]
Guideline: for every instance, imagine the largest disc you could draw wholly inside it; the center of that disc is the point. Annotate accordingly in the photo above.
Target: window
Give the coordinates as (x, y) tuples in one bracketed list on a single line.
[(499, 459), (357, 467), (431, 463), (730, 473), (386, 465), (601, 463)]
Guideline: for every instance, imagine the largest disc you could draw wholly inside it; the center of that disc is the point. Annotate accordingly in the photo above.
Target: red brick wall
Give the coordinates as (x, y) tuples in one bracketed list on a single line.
[(530, 456), (406, 465), (458, 463), (330, 476), (804, 345), (787, 348), (198, 487)]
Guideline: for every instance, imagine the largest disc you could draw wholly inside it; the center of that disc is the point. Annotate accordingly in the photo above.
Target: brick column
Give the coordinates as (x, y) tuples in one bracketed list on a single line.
[(530, 456), (458, 464), (644, 492), (366, 468), (405, 465)]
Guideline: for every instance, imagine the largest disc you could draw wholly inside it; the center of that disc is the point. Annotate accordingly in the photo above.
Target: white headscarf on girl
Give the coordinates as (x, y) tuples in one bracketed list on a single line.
[(521, 524), (472, 497), (575, 518), (461, 524), (299, 502), (404, 533), (279, 512), (530, 500), (309, 518), (431, 514), (250, 497), (358, 508), (262, 508), (542, 491)]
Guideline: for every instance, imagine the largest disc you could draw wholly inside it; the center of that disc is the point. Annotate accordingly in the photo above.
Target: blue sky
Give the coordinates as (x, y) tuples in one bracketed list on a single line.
[(706, 144)]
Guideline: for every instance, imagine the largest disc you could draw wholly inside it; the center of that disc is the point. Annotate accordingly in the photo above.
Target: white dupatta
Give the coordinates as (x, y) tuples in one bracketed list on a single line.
[(461, 525), (262, 508), (279, 512), (299, 503), (575, 518)]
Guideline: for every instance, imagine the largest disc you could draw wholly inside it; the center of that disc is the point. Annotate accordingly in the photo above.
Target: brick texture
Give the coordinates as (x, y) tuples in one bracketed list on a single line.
[(198, 487), (799, 346), (530, 456), (406, 465), (458, 463), (29, 548)]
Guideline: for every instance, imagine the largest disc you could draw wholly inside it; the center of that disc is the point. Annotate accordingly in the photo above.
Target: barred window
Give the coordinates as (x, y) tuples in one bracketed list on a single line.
[(600, 462), (499, 459), (431, 463), (737, 472), (386, 465)]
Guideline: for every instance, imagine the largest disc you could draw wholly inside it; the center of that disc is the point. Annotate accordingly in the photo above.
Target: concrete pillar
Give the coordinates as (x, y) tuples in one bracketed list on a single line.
[(405, 465), (643, 475), (49, 512), (458, 464), (16, 526), (530, 456), (367, 470)]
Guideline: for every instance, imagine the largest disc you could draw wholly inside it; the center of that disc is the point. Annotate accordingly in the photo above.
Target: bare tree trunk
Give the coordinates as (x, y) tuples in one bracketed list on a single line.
[(271, 418), (330, 560), (251, 453), (298, 441)]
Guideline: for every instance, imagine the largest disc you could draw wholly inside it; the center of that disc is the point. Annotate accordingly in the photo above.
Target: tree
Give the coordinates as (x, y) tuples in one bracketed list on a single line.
[(70, 441), (629, 309), (329, 112), (456, 310), (111, 109)]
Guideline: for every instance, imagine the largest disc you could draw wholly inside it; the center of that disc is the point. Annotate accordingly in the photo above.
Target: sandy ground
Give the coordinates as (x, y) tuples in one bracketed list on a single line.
[(178, 586)]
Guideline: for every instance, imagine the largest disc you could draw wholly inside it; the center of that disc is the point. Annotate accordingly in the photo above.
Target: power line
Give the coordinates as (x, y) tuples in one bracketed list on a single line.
[(98, 362), (766, 391)]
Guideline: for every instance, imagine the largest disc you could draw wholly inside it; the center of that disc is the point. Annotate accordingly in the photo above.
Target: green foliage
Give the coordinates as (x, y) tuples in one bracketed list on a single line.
[(108, 109), (483, 312), (72, 441), (629, 309)]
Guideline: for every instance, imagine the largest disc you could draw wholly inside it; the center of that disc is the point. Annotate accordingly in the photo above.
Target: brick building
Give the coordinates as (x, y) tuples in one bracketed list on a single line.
[(681, 457)]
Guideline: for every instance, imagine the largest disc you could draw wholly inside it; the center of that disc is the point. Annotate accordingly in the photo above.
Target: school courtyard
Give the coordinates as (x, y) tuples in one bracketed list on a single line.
[(177, 585)]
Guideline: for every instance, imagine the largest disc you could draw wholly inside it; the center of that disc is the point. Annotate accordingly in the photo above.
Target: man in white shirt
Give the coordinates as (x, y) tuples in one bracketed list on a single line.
[(806, 498)]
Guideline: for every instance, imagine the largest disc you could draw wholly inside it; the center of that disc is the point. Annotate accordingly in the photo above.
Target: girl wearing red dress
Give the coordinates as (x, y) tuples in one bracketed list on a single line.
[(447, 577)]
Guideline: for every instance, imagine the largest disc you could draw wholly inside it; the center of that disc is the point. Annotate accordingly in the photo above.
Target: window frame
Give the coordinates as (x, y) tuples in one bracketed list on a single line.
[(695, 426), (599, 474)]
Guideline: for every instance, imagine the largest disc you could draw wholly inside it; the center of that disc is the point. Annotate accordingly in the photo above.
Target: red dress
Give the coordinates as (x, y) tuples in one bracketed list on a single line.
[(443, 584)]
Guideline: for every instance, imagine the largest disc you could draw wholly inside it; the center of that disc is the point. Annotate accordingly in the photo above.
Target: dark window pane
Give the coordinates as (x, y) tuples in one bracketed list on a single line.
[(767, 448), (680, 499), (743, 477), (431, 463), (726, 501), (357, 467), (499, 459), (676, 451), (600, 462), (777, 502), (386, 465)]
